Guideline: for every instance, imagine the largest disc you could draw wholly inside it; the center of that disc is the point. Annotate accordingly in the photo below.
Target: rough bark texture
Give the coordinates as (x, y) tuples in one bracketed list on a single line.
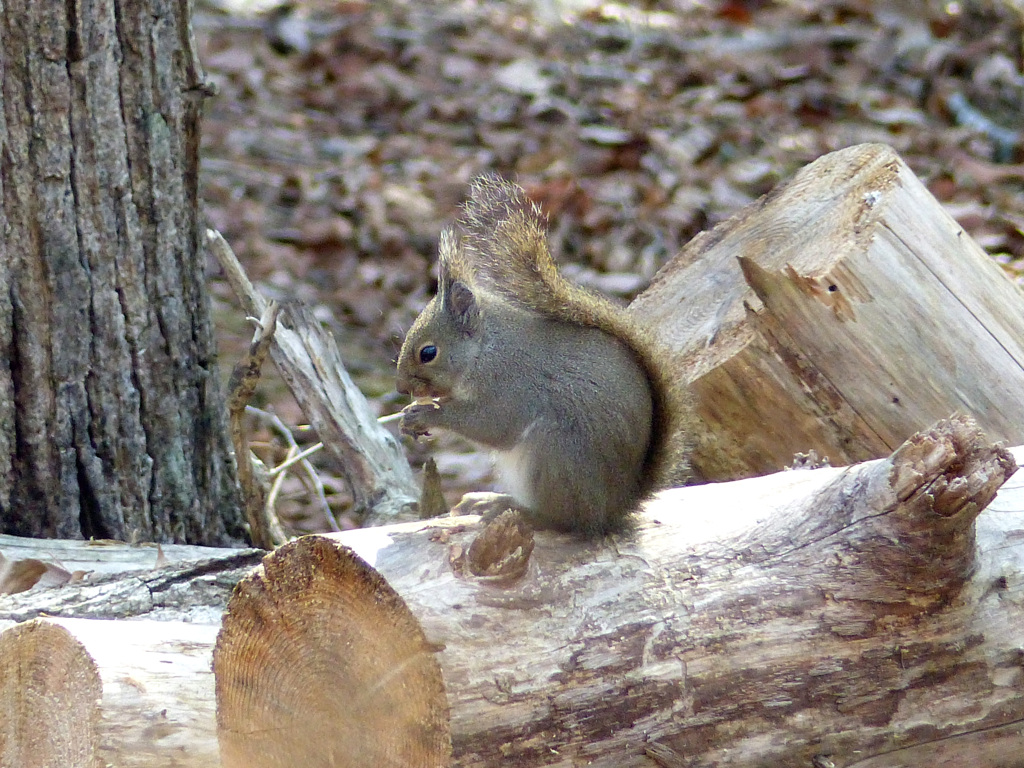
[(841, 313), (111, 420), (115, 581)]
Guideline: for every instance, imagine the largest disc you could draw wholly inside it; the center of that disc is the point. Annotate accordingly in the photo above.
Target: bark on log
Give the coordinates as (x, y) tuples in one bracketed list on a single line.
[(111, 418), (157, 706), (864, 616), (835, 614), (115, 581), (840, 313)]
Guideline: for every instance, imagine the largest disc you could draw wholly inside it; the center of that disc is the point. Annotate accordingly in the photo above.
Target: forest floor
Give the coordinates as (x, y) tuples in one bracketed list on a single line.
[(344, 135)]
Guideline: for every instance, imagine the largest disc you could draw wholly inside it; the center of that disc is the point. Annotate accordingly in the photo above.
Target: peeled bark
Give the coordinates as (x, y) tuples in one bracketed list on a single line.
[(111, 418)]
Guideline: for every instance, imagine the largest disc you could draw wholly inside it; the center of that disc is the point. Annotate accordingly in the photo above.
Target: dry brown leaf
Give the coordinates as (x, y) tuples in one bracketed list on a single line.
[(19, 575)]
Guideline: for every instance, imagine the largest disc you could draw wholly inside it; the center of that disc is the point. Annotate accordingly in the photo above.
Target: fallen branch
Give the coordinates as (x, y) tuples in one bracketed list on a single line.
[(369, 457), (264, 528)]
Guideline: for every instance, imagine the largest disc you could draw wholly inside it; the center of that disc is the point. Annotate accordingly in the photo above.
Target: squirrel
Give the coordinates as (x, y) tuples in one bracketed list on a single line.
[(573, 396)]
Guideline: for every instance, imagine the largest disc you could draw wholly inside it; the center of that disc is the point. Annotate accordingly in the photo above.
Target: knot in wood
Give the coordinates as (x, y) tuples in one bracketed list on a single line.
[(502, 550)]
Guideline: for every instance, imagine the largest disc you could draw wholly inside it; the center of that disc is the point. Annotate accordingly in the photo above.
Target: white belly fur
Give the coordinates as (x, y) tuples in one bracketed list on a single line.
[(514, 469)]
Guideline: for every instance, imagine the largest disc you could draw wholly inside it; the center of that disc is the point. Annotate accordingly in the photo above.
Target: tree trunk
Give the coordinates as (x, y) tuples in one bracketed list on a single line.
[(841, 313), (111, 419)]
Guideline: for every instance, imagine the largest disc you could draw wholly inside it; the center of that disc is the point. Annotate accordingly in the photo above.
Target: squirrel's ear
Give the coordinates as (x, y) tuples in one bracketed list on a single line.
[(461, 305)]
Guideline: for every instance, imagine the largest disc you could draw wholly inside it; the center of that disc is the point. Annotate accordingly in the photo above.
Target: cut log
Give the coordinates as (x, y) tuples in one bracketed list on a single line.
[(112, 580), (841, 313), (810, 616), (829, 614), (158, 705), (319, 663), (859, 616), (157, 702), (104, 556), (49, 694)]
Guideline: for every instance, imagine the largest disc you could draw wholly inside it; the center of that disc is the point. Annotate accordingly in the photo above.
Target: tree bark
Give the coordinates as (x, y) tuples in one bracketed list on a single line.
[(840, 313), (111, 419), (118, 582)]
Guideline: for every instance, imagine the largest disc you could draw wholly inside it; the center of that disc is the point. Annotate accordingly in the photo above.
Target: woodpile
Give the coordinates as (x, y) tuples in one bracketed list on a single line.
[(868, 615)]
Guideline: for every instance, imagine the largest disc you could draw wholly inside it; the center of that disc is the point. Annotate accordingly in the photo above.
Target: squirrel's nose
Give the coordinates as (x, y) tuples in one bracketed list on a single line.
[(408, 385)]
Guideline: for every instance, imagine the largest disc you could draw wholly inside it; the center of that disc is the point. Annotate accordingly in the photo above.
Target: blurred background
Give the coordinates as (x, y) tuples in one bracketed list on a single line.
[(344, 134)]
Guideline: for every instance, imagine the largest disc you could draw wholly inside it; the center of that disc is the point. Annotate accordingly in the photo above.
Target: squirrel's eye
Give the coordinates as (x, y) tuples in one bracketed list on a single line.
[(427, 353)]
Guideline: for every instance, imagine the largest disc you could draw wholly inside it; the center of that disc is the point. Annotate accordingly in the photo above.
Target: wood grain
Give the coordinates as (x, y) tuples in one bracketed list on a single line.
[(842, 313)]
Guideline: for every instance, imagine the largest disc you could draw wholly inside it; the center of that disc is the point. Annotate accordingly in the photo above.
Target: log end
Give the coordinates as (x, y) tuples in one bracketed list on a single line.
[(320, 662), (50, 689)]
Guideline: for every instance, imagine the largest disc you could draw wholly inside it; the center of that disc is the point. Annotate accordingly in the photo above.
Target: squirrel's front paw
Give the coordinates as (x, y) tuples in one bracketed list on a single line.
[(487, 505), (418, 417)]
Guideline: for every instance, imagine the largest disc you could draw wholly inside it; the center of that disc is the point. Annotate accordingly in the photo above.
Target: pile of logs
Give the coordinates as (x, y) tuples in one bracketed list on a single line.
[(868, 615)]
